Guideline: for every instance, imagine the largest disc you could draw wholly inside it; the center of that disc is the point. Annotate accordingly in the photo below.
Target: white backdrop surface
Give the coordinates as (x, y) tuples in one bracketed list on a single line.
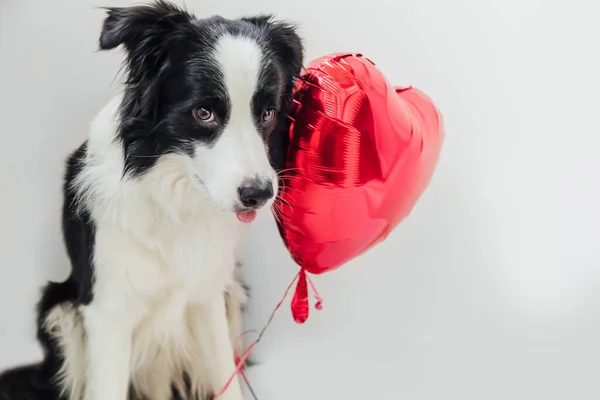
[(489, 290)]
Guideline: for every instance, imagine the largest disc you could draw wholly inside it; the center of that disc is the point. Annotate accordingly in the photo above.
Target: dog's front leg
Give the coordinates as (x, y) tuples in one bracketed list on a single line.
[(216, 344), (108, 353)]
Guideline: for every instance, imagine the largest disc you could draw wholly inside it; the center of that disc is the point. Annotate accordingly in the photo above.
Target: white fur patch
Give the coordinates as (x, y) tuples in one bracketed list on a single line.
[(239, 153), (65, 325)]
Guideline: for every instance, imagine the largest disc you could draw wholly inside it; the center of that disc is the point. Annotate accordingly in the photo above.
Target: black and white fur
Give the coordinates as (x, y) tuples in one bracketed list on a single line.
[(152, 307)]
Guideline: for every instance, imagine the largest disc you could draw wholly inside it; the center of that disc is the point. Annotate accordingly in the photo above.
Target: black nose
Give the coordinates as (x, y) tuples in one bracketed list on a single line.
[(255, 193)]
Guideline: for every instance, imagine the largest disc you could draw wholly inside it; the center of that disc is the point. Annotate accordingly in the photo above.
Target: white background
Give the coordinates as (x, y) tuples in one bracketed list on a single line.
[(489, 290)]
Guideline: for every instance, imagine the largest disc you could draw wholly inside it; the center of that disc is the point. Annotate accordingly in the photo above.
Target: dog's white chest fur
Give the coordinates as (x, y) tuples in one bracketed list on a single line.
[(166, 280), (184, 267), (193, 257)]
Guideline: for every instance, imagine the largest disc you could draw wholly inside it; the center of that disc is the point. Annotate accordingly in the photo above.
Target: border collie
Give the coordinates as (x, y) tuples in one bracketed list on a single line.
[(154, 203)]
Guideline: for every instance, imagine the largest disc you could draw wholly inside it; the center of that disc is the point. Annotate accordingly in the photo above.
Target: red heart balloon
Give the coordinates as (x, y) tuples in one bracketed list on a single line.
[(361, 154)]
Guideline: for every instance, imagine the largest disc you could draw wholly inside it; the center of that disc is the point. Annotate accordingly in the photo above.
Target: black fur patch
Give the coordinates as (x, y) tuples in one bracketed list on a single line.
[(78, 231)]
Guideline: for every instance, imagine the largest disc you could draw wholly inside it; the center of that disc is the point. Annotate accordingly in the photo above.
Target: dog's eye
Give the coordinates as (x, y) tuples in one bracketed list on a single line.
[(268, 115), (204, 115)]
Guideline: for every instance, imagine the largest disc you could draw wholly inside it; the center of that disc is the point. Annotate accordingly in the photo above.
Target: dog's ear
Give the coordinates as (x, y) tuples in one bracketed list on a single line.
[(132, 26), (148, 33)]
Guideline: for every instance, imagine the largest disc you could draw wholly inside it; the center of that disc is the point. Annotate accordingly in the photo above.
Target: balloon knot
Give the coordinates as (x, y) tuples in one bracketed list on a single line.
[(300, 304)]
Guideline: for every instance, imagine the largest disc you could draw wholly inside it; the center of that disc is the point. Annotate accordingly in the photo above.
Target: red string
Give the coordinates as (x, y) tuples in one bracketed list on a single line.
[(319, 303), (300, 299), (237, 360), (241, 360)]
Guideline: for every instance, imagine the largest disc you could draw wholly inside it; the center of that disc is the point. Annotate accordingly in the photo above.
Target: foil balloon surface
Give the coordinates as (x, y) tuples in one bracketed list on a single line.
[(361, 154)]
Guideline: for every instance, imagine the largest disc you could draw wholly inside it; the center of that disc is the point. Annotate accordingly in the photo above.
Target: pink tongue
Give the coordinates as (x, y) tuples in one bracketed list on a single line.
[(246, 216)]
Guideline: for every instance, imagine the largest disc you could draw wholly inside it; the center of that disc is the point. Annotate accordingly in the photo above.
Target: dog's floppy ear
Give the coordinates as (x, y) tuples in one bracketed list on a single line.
[(131, 26), (149, 34)]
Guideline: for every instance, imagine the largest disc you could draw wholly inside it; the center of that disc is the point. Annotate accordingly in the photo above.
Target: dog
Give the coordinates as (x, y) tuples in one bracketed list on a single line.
[(155, 202)]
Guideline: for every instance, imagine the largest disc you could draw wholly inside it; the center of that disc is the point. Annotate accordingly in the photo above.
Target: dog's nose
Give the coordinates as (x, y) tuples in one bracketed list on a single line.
[(255, 193)]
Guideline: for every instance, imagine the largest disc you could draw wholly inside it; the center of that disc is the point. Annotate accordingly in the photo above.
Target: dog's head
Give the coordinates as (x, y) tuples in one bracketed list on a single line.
[(215, 90)]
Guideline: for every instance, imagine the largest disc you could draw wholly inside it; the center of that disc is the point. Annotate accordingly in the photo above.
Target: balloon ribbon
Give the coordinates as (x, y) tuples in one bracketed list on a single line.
[(300, 312)]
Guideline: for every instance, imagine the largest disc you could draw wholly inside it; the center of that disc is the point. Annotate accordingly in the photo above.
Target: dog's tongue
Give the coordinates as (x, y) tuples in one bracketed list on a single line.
[(246, 216)]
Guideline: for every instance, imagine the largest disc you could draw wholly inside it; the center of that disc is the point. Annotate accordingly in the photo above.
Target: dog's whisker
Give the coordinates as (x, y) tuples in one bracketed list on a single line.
[(139, 156), (282, 184), (287, 169), (284, 200), (281, 199), (277, 214)]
